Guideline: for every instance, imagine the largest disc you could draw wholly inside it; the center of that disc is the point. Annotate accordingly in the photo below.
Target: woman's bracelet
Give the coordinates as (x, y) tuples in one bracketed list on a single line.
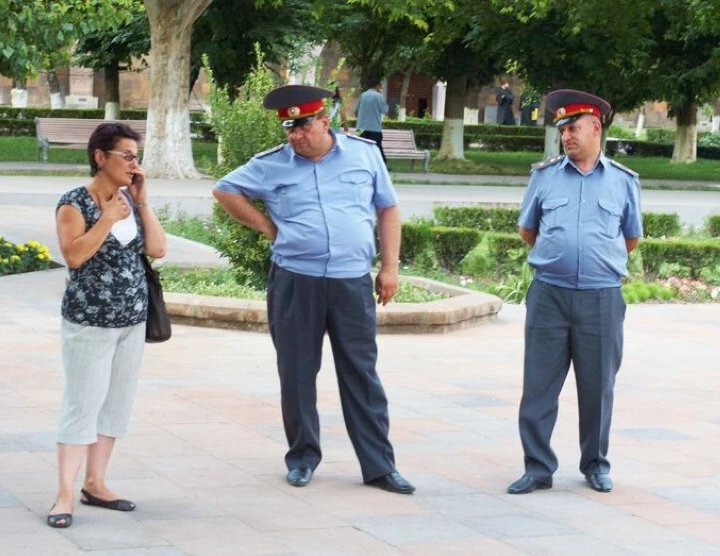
[(141, 205)]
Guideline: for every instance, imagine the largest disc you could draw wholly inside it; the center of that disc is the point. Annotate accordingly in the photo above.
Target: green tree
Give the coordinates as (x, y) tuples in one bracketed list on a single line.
[(227, 32), (684, 67), (116, 50), (37, 36)]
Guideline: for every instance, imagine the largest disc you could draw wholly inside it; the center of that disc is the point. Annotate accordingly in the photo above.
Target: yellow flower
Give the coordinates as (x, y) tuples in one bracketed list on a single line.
[(14, 258), (41, 257)]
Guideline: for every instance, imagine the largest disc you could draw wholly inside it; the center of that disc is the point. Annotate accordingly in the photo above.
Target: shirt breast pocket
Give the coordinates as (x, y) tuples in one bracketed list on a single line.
[(357, 187), (610, 214), (553, 210)]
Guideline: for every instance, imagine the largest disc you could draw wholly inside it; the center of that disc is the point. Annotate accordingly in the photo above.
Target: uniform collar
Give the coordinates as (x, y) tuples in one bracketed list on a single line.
[(601, 161)]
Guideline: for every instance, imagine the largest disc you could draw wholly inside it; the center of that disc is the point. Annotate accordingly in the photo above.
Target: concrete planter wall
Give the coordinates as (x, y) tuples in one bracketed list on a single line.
[(462, 309)]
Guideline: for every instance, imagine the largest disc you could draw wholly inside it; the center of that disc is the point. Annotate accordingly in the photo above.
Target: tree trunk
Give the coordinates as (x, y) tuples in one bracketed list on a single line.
[(640, 126), (452, 146), (552, 142), (168, 150), (685, 150), (404, 87), (57, 98), (112, 91)]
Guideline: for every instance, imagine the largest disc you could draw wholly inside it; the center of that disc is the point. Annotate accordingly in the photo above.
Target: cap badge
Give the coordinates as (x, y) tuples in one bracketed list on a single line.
[(293, 111), (560, 112)]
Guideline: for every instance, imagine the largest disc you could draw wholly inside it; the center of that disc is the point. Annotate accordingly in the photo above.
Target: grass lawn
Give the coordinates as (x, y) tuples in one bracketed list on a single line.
[(23, 149)]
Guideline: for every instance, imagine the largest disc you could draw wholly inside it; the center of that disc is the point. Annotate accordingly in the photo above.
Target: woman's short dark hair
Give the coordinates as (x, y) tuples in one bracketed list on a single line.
[(105, 137)]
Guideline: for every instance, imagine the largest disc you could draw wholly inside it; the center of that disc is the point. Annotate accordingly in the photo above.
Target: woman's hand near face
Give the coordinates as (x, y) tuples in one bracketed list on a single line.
[(138, 188), (114, 209)]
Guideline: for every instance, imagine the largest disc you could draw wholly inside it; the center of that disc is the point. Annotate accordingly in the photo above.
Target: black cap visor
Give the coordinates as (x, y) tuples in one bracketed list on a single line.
[(289, 124)]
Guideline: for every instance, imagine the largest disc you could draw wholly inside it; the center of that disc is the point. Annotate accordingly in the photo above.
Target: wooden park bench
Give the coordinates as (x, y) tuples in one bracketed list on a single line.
[(73, 133), (399, 144)]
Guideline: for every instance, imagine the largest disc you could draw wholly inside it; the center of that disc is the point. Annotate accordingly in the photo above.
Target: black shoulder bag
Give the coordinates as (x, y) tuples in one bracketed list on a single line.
[(158, 322)]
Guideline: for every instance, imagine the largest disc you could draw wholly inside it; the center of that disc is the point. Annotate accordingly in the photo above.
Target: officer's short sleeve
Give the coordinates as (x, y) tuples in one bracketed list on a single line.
[(247, 180), (530, 211), (385, 195), (632, 226)]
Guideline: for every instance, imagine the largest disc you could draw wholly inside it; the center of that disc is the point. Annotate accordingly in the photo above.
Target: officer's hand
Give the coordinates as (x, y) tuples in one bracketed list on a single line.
[(386, 285)]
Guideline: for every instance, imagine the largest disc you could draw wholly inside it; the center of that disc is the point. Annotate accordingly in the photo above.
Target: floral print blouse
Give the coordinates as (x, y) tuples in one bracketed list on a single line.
[(109, 290)]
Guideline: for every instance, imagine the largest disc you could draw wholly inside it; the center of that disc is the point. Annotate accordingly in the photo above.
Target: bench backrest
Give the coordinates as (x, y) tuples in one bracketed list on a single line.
[(74, 130), (397, 139)]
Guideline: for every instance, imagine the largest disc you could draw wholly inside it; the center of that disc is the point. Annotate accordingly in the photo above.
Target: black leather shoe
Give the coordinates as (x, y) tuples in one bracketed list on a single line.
[(527, 484), (299, 477), (393, 482), (599, 481)]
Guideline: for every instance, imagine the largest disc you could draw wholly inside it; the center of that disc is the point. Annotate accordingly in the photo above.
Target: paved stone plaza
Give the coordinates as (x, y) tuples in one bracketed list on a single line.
[(204, 458), (204, 461)]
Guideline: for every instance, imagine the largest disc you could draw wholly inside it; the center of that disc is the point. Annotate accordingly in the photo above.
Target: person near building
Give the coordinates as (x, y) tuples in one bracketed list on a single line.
[(505, 98), (369, 110)]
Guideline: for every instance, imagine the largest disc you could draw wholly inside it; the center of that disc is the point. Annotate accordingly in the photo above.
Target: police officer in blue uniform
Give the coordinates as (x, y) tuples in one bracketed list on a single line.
[(581, 216), (324, 193)]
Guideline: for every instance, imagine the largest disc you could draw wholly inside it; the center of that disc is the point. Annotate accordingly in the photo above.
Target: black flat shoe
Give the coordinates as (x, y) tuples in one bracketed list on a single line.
[(600, 482), (119, 504), (59, 521), (299, 477), (393, 482), (527, 484)]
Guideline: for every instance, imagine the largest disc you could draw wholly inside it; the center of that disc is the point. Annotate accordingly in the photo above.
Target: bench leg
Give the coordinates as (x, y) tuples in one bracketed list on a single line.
[(42, 147), (427, 161)]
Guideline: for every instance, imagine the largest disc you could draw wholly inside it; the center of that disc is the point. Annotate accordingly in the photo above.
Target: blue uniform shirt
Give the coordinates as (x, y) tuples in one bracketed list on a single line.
[(582, 222), (325, 211)]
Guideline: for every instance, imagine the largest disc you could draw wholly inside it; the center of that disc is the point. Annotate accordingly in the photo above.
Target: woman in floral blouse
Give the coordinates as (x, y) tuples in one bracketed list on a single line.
[(103, 230)]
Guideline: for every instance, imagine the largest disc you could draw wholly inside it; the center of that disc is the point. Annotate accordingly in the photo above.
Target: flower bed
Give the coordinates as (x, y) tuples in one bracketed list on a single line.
[(27, 257)]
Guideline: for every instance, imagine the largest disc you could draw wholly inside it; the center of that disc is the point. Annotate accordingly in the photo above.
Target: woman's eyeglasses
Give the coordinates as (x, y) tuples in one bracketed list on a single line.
[(127, 155)]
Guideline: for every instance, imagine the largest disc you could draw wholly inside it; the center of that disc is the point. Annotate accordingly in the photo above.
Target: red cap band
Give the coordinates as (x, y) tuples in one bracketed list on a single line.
[(574, 109), (301, 110)]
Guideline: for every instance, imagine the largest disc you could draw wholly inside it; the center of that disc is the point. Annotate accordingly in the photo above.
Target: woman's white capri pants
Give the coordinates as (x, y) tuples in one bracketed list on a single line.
[(102, 367)]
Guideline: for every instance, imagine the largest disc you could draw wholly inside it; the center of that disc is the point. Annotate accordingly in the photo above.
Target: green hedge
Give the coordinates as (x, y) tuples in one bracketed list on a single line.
[(416, 239), (512, 143), (452, 244), (693, 255), (661, 224), (507, 248), (20, 122), (713, 225), (485, 219)]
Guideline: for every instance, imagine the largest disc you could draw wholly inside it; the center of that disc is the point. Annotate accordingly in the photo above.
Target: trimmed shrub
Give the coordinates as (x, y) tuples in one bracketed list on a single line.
[(416, 239), (661, 224), (486, 219), (512, 143), (713, 225), (509, 250), (692, 255), (665, 135), (452, 244)]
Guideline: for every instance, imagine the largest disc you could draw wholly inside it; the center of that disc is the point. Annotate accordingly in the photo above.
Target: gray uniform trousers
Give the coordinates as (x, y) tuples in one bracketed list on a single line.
[(301, 309), (584, 327)]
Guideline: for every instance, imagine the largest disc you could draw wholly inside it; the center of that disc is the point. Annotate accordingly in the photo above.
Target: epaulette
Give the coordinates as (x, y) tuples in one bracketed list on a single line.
[(358, 138), (274, 149), (546, 163), (615, 163)]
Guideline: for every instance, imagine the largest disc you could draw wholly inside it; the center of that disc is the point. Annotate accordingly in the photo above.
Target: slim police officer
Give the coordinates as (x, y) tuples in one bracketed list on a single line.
[(581, 216), (324, 192)]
